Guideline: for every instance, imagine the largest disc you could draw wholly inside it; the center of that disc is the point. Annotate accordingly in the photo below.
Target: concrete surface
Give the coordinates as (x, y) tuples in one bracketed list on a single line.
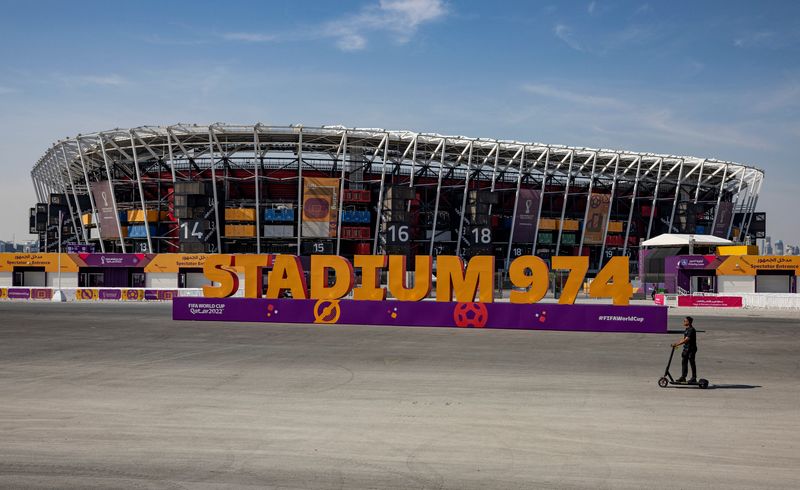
[(119, 396)]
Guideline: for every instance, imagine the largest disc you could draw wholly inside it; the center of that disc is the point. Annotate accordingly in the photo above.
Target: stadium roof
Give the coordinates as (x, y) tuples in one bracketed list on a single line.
[(71, 159)]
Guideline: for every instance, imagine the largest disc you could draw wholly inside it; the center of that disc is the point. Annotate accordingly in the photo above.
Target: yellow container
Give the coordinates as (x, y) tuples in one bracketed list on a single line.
[(86, 219), (240, 214), (547, 224), (137, 216), (738, 250), (615, 226), (240, 231), (570, 225)]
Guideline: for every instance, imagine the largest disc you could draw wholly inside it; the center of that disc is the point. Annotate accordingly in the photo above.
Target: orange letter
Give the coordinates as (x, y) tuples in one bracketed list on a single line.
[(451, 278), (422, 277), (613, 281), (343, 276), (536, 281), (287, 273), (253, 266), (218, 268), (370, 265), (577, 271)]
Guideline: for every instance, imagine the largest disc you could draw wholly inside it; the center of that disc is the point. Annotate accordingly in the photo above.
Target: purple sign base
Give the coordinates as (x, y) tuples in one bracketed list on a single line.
[(539, 316)]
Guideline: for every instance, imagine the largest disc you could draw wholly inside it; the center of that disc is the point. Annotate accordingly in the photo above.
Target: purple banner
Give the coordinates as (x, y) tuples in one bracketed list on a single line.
[(106, 217), (19, 293), (29, 293), (114, 260), (724, 217), (539, 316), (527, 210)]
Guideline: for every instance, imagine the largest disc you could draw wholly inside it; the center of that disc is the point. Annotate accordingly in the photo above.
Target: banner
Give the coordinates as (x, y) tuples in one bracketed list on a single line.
[(49, 261), (174, 262), (592, 318), (724, 217), (527, 211), (320, 207), (26, 293), (106, 217), (594, 227), (710, 301), (114, 260)]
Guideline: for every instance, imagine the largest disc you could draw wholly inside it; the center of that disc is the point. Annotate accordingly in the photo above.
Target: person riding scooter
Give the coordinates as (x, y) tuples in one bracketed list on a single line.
[(689, 343)]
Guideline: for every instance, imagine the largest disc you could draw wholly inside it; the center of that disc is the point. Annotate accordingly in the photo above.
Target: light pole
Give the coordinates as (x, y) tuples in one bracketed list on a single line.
[(58, 295)]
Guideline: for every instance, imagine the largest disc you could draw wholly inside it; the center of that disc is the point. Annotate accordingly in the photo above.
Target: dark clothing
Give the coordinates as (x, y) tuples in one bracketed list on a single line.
[(691, 344), (687, 357), (689, 351)]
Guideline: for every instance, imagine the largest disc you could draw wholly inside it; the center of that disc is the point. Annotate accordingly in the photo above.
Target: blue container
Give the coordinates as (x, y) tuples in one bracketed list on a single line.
[(279, 214), (139, 231), (123, 217)]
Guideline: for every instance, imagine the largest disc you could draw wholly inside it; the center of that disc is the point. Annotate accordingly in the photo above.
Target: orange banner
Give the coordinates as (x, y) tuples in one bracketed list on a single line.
[(8, 261), (748, 265), (320, 207), (594, 227), (174, 262)]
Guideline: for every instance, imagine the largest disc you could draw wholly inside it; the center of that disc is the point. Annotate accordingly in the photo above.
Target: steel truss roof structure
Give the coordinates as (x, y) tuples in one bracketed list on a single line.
[(134, 155)]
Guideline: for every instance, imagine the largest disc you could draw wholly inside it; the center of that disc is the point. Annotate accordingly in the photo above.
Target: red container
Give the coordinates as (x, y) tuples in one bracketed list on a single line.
[(363, 248)]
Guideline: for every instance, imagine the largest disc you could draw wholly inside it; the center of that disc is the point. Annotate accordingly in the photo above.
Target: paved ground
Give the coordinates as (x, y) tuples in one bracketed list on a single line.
[(118, 396)]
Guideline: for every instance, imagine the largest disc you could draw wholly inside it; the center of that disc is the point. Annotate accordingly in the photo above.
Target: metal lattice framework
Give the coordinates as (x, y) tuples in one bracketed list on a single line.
[(148, 156)]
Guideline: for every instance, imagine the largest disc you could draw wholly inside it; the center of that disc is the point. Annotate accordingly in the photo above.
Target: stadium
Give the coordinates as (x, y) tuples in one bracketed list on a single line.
[(337, 190)]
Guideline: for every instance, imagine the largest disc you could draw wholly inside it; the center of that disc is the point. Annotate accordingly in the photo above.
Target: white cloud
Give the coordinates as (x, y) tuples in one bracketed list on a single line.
[(249, 37), (785, 96), (401, 18), (98, 80), (754, 39), (574, 97), (638, 116), (564, 32), (591, 8)]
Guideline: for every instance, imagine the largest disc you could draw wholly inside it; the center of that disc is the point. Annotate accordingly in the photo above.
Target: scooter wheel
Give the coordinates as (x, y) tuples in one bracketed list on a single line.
[(703, 384), (663, 382)]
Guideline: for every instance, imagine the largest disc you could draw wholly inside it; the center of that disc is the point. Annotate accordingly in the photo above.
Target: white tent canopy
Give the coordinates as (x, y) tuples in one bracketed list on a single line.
[(680, 240)]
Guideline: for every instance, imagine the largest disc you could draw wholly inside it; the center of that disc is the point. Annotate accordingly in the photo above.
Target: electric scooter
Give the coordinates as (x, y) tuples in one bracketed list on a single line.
[(667, 379)]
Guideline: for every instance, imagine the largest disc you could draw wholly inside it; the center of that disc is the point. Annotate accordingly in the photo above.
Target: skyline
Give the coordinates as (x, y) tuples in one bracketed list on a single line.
[(687, 80)]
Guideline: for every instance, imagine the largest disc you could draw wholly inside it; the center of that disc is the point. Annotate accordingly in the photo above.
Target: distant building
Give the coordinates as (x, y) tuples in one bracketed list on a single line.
[(779, 247), (768, 245)]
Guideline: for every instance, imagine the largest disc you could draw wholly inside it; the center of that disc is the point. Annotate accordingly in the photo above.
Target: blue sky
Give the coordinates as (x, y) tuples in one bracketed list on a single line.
[(709, 79)]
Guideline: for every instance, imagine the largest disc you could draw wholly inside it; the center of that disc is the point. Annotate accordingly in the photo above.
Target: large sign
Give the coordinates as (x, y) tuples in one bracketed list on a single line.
[(115, 260), (594, 318), (320, 207), (748, 265), (599, 205), (527, 211), (49, 261), (175, 262), (107, 219), (453, 278)]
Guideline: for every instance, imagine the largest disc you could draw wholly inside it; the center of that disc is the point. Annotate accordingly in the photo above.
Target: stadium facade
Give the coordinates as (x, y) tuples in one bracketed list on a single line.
[(336, 190)]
